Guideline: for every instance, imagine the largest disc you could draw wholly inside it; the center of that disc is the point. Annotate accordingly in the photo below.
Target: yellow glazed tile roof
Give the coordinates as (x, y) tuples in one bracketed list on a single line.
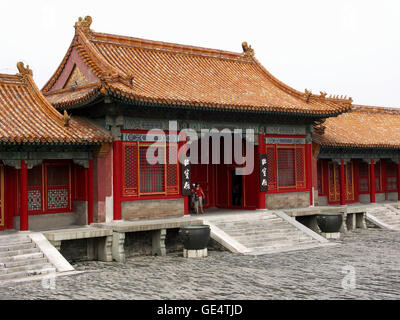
[(165, 73), (363, 126), (27, 117)]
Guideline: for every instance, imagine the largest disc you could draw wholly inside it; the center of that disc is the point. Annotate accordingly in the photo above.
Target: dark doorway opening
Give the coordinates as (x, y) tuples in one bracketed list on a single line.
[(237, 187)]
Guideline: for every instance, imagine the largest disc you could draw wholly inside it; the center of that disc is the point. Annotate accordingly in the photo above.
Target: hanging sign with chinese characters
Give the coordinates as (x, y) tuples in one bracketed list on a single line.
[(186, 189), (263, 173)]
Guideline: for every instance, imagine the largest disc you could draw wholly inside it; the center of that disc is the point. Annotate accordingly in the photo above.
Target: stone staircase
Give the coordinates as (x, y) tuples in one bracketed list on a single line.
[(20, 257), (262, 232), (384, 216)]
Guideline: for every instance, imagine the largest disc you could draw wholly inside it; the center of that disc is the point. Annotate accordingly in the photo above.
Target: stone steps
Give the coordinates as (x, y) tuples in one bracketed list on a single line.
[(27, 273), (272, 243), (267, 233), (20, 240), (21, 262), (261, 232), (285, 244), (34, 265), (15, 246), (21, 258), (388, 215), (11, 253)]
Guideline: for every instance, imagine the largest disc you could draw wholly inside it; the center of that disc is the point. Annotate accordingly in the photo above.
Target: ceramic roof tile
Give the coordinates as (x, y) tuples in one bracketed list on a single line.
[(27, 117), (166, 73), (362, 127)]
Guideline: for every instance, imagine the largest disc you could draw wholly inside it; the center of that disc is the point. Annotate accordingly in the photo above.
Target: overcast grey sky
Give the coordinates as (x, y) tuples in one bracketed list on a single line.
[(341, 47)]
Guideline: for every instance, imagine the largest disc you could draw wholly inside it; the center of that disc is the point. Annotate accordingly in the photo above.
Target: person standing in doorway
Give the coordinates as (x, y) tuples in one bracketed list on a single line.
[(198, 198)]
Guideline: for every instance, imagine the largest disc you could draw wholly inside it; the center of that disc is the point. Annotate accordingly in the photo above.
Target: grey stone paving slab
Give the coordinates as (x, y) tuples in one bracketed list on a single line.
[(373, 255)]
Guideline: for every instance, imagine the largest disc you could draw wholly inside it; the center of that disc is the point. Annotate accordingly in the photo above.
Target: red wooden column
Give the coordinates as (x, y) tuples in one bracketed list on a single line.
[(372, 181), (342, 183), (23, 173), (117, 164), (398, 179), (90, 191), (309, 173), (261, 150)]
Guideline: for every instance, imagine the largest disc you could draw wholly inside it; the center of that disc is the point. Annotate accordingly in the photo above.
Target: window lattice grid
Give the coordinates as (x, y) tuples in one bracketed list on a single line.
[(172, 172), (271, 173), (152, 176), (286, 167), (58, 198), (130, 166), (300, 167), (34, 200)]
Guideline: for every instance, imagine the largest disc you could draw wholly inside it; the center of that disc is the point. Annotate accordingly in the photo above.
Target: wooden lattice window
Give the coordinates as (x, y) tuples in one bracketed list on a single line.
[(58, 182), (391, 176), (300, 168), (35, 188), (130, 164), (172, 168), (271, 172), (363, 174), (142, 176), (152, 176), (286, 167)]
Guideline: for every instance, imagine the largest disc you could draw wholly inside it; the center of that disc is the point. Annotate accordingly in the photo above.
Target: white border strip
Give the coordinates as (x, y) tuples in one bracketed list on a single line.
[(51, 253), (300, 226)]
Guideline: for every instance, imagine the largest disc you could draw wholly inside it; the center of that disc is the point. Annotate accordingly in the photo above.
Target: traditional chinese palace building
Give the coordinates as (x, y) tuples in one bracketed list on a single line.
[(46, 159), (359, 156), (77, 149)]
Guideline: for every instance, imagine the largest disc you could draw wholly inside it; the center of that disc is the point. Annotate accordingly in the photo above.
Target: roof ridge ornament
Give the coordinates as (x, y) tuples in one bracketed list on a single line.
[(24, 71), (248, 50), (307, 94), (84, 25), (322, 94), (66, 118)]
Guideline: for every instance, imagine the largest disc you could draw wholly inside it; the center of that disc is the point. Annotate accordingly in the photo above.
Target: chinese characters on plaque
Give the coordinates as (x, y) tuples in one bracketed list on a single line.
[(263, 173), (186, 190)]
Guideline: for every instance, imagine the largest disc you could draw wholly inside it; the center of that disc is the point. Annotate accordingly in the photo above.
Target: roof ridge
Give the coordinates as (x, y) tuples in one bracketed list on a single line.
[(376, 109), (306, 95), (166, 46), (72, 89)]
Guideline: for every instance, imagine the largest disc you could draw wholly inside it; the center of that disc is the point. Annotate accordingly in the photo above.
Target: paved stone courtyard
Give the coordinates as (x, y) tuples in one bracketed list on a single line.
[(372, 256)]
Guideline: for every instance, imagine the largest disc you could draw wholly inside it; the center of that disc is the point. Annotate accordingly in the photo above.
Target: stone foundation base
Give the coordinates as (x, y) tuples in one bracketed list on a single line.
[(195, 253), (331, 235)]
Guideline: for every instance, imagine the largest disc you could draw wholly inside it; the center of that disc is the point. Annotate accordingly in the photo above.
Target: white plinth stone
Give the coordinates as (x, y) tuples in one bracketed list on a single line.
[(331, 235), (195, 253)]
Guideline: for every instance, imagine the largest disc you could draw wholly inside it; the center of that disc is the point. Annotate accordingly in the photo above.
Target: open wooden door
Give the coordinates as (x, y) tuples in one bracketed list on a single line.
[(200, 174), (334, 181), (349, 182)]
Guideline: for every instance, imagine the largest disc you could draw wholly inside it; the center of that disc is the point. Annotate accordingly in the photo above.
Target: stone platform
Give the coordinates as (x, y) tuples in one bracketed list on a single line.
[(99, 240), (158, 226), (354, 215)]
